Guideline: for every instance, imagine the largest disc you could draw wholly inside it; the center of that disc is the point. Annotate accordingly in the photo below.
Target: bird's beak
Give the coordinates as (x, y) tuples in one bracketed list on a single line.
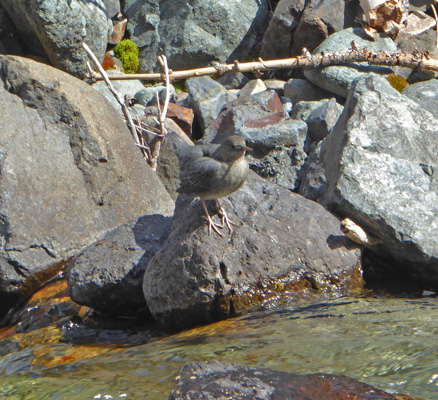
[(246, 148)]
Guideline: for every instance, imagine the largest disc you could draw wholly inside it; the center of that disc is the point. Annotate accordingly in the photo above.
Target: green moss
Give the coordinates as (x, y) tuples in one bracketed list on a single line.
[(127, 52), (397, 82), (180, 86)]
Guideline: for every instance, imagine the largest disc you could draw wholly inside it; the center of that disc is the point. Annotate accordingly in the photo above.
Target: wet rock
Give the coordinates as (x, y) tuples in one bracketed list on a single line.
[(277, 141), (380, 164), (107, 276), (282, 243), (302, 90), (58, 29), (70, 173), (192, 35), (219, 380), (338, 79), (207, 97)]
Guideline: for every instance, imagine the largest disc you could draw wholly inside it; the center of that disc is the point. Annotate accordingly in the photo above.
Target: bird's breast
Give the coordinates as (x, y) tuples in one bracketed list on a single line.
[(232, 179)]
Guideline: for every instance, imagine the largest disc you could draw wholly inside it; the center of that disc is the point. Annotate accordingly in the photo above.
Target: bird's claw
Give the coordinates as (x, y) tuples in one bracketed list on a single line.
[(214, 226), (225, 220)]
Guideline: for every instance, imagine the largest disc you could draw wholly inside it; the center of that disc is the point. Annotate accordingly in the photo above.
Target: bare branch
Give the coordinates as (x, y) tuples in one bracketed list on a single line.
[(158, 140), (119, 99), (306, 61)]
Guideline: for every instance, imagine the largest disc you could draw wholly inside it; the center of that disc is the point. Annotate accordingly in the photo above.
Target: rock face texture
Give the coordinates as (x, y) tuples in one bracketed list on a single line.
[(57, 28), (70, 173), (191, 34), (380, 163), (219, 380), (108, 275), (283, 243), (277, 141)]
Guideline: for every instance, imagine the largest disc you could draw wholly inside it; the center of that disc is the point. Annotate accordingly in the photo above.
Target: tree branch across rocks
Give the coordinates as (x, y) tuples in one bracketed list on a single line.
[(414, 60)]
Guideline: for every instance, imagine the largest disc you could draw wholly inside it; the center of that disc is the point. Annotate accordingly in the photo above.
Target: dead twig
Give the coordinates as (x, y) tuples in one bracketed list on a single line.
[(412, 60), (127, 115), (158, 140)]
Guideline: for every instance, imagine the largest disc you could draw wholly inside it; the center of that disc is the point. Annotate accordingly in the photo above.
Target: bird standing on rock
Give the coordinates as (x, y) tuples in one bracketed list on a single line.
[(216, 176)]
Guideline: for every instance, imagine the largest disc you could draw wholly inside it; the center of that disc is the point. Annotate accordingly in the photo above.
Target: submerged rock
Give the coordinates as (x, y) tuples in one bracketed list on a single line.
[(218, 380)]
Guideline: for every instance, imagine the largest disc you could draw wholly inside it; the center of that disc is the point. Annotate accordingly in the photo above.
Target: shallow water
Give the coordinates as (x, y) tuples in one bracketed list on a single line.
[(388, 343)]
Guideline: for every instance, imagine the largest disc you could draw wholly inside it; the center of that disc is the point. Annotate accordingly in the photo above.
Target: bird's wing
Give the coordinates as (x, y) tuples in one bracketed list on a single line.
[(199, 176)]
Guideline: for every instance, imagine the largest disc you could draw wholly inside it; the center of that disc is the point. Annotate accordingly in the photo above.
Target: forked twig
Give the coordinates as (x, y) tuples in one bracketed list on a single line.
[(145, 149), (158, 140)]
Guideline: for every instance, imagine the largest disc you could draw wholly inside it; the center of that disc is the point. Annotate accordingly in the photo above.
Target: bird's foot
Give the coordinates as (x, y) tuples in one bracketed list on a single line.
[(224, 218), (213, 226)]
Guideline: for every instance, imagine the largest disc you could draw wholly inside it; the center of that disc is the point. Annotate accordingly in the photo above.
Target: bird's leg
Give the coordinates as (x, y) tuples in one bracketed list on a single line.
[(224, 218), (211, 224)]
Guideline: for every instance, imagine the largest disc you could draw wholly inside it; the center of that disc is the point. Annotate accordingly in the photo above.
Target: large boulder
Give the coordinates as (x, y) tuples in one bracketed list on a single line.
[(380, 161), (57, 29), (70, 173), (108, 275), (282, 243), (191, 34)]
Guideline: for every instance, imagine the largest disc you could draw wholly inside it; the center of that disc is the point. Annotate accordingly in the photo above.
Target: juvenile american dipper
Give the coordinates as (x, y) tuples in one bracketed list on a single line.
[(216, 176)]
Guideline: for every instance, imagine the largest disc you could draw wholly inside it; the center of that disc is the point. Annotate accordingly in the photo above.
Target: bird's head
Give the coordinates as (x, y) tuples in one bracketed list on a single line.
[(232, 148)]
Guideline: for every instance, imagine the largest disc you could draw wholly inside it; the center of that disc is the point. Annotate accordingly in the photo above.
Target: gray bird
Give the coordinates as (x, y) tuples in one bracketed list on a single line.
[(211, 177)]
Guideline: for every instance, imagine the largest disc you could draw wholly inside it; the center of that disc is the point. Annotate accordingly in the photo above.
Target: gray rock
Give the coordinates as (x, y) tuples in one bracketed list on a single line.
[(425, 94), (302, 90), (124, 88), (322, 120), (214, 380), (112, 7), (196, 278), (10, 40), (320, 18), (193, 34), (70, 173), (207, 97), (148, 95), (338, 79), (380, 163), (277, 141), (275, 84), (57, 29), (278, 38), (313, 185), (108, 275), (233, 80)]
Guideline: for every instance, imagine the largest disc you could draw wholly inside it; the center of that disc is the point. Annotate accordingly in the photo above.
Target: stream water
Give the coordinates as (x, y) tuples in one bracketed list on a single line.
[(390, 343)]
